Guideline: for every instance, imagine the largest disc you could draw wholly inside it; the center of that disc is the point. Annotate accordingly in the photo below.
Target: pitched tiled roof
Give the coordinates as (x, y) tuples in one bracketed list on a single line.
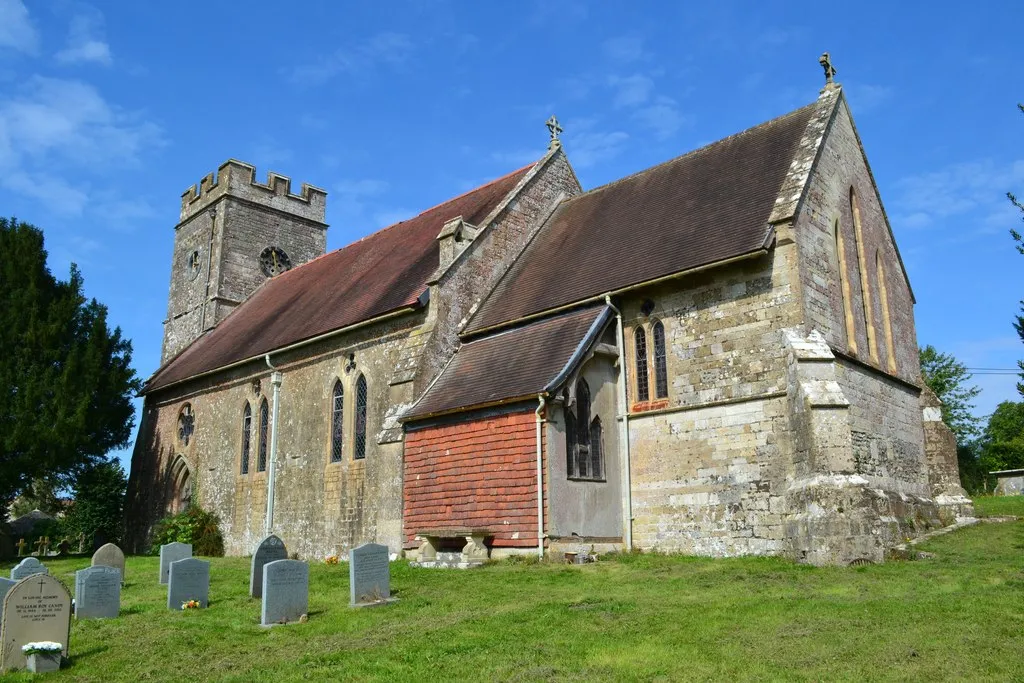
[(516, 363), (701, 208), (383, 272)]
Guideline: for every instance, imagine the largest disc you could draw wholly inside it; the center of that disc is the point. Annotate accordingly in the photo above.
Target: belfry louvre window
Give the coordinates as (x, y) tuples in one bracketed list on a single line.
[(360, 439), (582, 438), (643, 390), (337, 421), (261, 458), (660, 364), (246, 437)]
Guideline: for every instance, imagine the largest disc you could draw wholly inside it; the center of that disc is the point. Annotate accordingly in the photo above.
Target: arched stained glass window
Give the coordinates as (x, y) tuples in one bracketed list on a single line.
[(360, 426), (246, 437), (261, 458), (582, 438), (186, 424), (643, 390), (337, 421), (660, 362)]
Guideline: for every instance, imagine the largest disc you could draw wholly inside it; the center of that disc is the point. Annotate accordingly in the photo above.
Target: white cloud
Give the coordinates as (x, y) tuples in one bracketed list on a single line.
[(624, 49), (16, 30), (349, 197), (588, 147), (631, 90), (387, 48), (86, 40), (663, 117)]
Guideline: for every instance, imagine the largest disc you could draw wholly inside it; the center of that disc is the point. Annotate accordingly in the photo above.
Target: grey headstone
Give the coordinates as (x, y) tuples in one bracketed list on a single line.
[(5, 585), (28, 567), (172, 552), (97, 593), (270, 549), (189, 580), (36, 608), (109, 556), (369, 573), (285, 591)]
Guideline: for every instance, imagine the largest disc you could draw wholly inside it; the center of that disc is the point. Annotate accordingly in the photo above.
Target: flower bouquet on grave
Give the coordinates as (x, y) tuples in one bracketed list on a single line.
[(331, 559), (191, 604), (43, 656)]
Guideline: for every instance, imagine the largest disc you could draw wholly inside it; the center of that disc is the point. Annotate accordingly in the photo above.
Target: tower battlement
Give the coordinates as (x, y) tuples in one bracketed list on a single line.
[(238, 179)]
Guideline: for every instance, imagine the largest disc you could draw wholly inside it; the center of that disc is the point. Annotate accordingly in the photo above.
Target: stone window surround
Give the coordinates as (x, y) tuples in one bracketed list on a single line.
[(336, 454), (570, 423), (646, 403), (246, 450)]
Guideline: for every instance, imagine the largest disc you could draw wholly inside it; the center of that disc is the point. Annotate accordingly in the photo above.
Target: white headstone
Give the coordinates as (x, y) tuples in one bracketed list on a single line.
[(189, 579), (369, 573), (285, 591), (36, 608), (270, 549), (109, 556), (172, 552), (28, 567), (97, 593)]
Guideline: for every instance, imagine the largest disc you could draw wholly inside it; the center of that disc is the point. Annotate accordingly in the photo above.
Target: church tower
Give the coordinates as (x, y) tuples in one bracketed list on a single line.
[(233, 234)]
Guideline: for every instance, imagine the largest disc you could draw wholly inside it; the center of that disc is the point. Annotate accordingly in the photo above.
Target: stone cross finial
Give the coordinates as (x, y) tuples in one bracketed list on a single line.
[(21, 547), (554, 129), (830, 71)]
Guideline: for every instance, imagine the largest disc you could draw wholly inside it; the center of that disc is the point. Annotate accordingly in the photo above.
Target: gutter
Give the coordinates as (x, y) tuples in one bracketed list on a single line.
[(540, 479), (623, 420), (275, 381)]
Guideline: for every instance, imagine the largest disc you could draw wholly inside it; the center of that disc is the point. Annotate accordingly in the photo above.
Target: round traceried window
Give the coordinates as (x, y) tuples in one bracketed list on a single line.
[(273, 261), (186, 424)]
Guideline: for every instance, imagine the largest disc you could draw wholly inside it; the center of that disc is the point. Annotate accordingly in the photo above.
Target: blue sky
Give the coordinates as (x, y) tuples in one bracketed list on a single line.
[(109, 111)]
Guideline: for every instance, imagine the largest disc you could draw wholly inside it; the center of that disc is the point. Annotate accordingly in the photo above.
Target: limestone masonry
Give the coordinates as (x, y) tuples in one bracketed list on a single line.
[(715, 356)]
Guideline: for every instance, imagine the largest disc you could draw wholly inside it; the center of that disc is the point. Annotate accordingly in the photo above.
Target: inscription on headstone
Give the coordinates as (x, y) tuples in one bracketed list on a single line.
[(270, 549), (369, 573), (172, 552), (97, 593), (109, 556), (189, 579), (36, 608), (28, 567), (5, 585), (285, 591)]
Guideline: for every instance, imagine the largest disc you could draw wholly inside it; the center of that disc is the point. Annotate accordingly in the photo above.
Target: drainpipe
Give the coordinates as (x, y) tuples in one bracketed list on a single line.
[(275, 380), (623, 418), (540, 480)]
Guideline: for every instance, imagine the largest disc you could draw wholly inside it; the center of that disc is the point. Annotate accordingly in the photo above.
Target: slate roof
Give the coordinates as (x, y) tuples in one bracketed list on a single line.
[(706, 206), (381, 273), (517, 363)]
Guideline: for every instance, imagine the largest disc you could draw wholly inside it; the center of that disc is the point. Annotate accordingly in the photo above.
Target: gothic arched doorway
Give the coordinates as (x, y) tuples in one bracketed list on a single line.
[(180, 486)]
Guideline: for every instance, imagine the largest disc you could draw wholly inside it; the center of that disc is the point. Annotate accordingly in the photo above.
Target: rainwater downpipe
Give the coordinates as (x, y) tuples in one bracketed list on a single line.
[(540, 479), (275, 380), (627, 487)]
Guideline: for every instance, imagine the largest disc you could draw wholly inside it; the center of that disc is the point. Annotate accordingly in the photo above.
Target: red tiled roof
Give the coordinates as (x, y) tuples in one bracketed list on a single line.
[(512, 364), (383, 272), (701, 208)]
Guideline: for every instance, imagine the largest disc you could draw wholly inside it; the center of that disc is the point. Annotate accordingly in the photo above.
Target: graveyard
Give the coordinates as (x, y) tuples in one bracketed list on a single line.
[(953, 613)]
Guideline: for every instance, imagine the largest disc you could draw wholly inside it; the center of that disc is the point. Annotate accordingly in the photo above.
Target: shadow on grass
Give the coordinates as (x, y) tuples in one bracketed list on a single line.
[(85, 654)]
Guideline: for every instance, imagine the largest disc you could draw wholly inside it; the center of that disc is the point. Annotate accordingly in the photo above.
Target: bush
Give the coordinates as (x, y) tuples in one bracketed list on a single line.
[(195, 526)]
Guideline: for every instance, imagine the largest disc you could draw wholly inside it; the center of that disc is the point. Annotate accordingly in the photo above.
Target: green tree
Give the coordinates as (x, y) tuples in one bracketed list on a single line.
[(1002, 444), (99, 502), (948, 378), (66, 382)]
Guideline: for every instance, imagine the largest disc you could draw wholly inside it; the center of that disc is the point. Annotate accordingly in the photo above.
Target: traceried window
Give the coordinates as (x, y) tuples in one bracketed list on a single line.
[(186, 424), (261, 458), (246, 437), (337, 421), (360, 427), (643, 391), (660, 362), (582, 438)]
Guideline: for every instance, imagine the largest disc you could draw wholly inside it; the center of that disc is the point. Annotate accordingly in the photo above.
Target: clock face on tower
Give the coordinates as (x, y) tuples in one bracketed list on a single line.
[(273, 261)]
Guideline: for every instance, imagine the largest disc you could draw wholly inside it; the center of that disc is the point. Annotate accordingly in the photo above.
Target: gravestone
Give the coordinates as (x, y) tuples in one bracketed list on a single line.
[(172, 552), (369, 573), (28, 567), (285, 591), (109, 556), (5, 585), (36, 608), (270, 549), (97, 593), (189, 579)]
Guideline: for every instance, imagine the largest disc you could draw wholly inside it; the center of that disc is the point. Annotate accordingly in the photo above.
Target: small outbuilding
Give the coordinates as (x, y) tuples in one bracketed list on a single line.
[(1010, 482)]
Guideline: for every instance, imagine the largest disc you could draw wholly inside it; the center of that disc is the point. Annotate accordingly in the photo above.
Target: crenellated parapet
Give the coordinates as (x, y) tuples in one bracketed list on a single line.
[(238, 179)]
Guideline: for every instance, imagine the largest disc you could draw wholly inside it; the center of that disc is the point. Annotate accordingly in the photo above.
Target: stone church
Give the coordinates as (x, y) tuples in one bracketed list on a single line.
[(714, 356)]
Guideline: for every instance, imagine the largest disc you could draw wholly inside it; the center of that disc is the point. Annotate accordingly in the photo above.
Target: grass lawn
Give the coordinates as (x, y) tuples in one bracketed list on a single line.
[(998, 506), (640, 617)]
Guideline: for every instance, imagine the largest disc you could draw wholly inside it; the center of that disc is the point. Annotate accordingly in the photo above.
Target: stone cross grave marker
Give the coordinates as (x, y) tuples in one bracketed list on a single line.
[(21, 547), (189, 579), (97, 593), (5, 585), (172, 552), (36, 608), (285, 591), (109, 556), (270, 549), (28, 567), (369, 573)]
